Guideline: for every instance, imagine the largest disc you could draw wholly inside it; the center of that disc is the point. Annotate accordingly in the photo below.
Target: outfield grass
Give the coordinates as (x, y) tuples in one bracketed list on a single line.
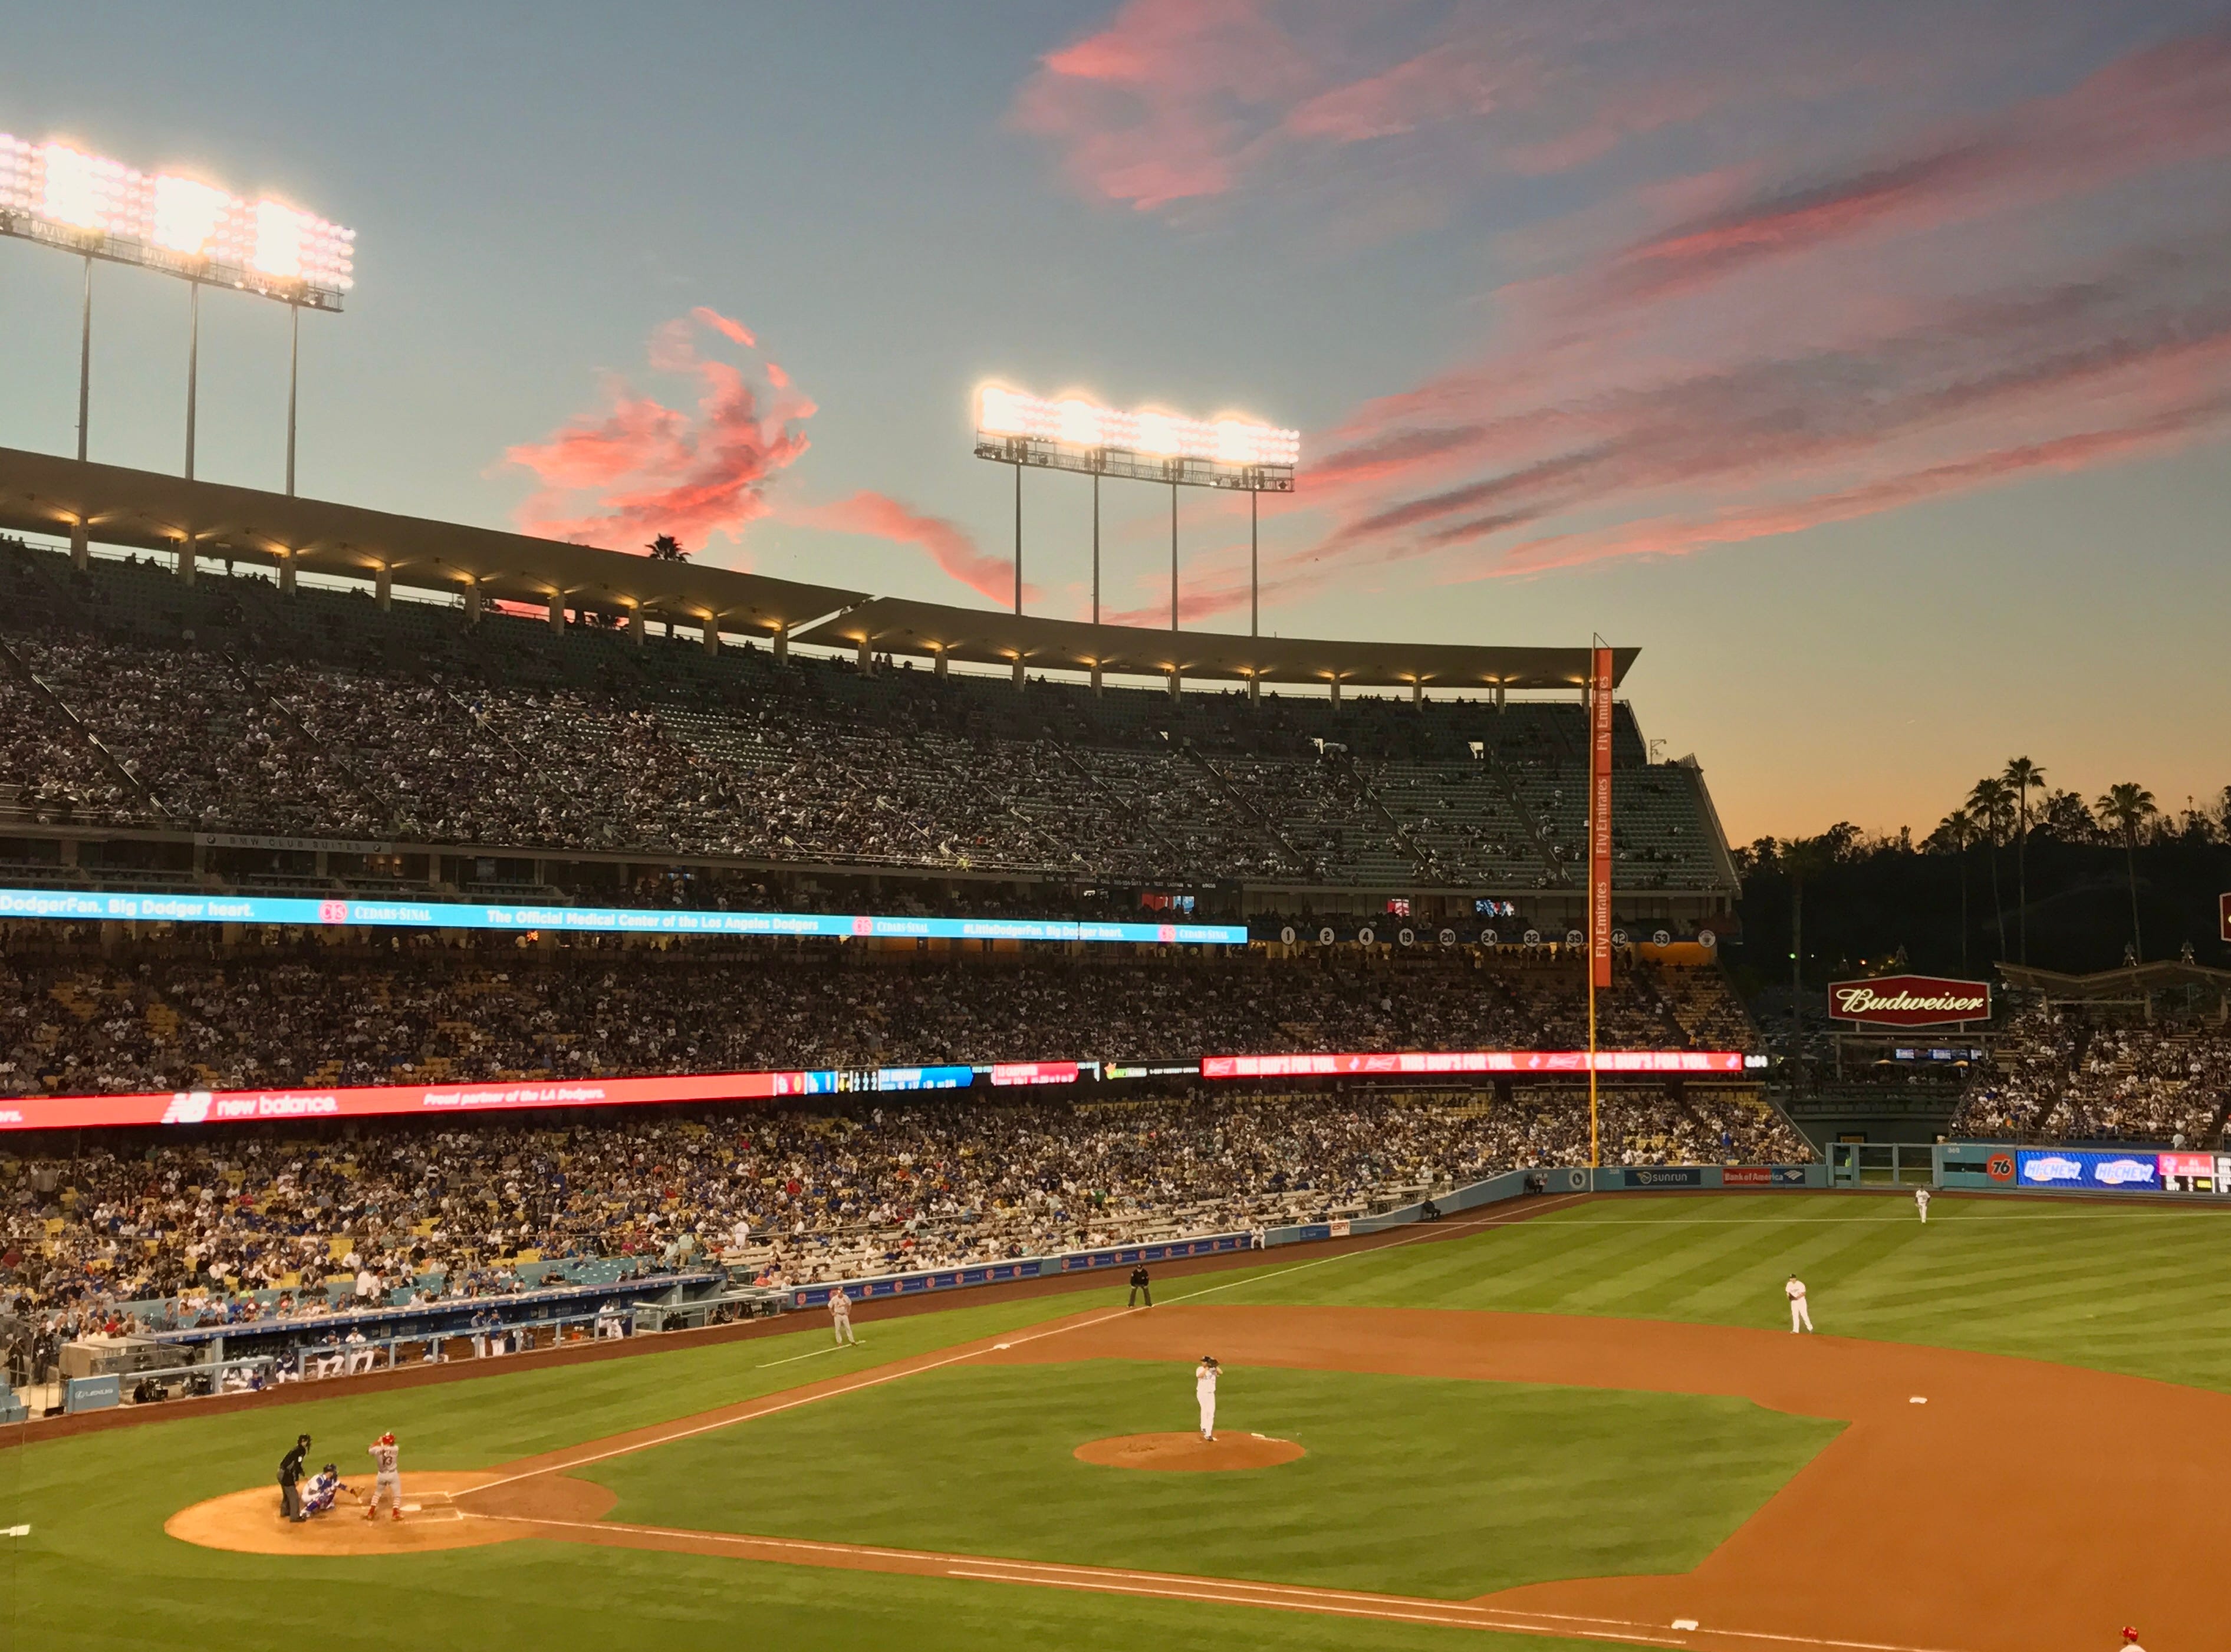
[(2122, 1288), (2128, 1289), (1416, 1486)]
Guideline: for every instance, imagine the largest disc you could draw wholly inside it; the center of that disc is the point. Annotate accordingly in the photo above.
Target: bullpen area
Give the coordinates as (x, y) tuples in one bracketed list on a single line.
[(1583, 1421)]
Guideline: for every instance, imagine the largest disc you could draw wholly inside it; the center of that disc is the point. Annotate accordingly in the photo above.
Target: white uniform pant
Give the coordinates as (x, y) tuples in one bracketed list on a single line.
[(842, 1325), (389, 1487), (1801, 1317), (1208, 1416)]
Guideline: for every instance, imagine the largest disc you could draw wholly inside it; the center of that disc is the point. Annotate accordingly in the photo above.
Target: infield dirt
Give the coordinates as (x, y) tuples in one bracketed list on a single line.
[(1975, 1502)]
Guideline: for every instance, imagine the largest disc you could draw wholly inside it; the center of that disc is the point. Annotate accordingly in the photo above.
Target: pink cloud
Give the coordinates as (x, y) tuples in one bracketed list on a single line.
[(2045, 289), (879, 516), (1172, 100), (640, 468)]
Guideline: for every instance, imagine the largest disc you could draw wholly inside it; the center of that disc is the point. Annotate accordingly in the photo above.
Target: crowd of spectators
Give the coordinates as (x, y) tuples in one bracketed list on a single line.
[(2059, 1076), (433, 1014), (247, 730), (160, 1236)]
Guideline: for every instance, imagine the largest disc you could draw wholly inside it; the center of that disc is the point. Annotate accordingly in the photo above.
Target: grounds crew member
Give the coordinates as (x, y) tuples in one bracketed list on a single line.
[(290, 1479), (1140, 1287)]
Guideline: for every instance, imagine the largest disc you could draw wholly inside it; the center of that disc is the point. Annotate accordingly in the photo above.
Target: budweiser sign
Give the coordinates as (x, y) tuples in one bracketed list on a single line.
[(1910, 1001)]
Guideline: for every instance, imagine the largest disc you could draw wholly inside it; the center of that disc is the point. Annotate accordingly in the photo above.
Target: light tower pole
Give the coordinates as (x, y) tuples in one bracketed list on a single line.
[(294, 373), (1254, 583), (84, 361), (193, 367)]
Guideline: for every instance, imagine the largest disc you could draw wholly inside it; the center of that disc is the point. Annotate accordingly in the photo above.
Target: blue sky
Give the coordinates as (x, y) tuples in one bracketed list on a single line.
[(1869, 367)]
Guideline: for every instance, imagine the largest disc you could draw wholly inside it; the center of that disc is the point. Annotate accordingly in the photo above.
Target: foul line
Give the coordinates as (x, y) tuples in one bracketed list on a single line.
[(1249, 1277), (1222, 1592)]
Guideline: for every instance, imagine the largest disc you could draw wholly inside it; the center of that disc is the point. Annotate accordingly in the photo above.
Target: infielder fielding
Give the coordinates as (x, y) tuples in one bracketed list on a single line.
[(1204, 1389), (840, 1316), (1801, 1317), (387, 1477), (1921, 1204)]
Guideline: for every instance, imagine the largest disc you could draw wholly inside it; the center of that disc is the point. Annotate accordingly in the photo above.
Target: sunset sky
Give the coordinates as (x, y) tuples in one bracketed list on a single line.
[(1869, 366)]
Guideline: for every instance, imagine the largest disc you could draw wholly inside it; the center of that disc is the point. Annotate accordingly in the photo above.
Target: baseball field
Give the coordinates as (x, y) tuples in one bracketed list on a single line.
[(1584, 1423)]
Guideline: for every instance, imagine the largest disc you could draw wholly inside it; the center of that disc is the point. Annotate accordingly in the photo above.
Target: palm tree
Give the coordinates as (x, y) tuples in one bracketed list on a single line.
[(664, 548), (1958, 829), (2125, 807), (1992, 803), (2022, 777)]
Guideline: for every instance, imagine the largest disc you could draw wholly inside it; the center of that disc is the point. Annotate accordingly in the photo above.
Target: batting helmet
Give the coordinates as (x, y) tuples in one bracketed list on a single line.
[(387, 1439)]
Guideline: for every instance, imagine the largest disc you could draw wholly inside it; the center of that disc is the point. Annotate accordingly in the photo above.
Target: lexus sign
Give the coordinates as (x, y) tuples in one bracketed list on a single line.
[(1910, 1001)]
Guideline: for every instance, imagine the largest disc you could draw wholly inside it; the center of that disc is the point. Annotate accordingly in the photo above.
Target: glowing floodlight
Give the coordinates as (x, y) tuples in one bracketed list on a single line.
[(185, 215), (86, 191), (63, 195), (278, 233), (1078, 423), (1075, 425), (1152, 445)]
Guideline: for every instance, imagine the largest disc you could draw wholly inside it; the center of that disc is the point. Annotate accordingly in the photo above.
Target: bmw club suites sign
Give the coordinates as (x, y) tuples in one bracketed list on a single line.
[(1910, 1001)]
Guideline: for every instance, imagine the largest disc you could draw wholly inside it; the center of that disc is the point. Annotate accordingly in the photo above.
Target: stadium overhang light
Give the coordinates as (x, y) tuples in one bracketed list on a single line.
[(63, 197)]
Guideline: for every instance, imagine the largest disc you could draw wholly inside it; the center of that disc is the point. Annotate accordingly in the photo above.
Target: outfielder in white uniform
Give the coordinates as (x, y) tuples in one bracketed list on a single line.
[(1204, 1389), (387, 1477), (1801, 1317), (1921, 1204), (840, 1316)]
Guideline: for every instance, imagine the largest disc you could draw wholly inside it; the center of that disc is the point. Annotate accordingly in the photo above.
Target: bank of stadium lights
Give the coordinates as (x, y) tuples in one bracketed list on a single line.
[(1150, 444), (62, 196)]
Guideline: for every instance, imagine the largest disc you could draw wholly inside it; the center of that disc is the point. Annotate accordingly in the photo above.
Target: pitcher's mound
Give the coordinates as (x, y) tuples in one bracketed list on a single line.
[(1187, 1452)]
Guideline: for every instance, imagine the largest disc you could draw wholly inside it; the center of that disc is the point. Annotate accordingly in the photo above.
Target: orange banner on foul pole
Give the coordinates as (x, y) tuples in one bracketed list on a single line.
[(1600, 702)]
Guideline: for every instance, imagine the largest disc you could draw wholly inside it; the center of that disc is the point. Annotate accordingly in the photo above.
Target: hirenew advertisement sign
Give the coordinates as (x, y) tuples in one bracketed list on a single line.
[(1910, 1001)]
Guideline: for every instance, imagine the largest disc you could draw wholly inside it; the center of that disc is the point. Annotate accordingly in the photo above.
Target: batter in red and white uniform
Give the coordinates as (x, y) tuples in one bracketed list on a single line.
[(387, 1476)]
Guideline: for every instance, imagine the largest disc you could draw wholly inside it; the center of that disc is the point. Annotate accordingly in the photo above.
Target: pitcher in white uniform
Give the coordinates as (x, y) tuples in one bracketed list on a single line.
[(1204, 1389), (1801, 1317)]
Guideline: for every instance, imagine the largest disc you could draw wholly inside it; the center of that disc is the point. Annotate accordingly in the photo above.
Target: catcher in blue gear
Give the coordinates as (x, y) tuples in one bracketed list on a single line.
[(324, 1486)]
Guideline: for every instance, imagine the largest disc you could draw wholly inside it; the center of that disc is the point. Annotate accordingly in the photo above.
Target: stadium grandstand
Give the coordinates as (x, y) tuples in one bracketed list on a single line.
[(209, 691), (242, 699)]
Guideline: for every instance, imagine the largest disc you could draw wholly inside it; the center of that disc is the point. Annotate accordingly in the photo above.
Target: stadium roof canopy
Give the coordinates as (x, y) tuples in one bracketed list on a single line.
[(984, 636), (42, 493), (2127, 985), (141, 509)]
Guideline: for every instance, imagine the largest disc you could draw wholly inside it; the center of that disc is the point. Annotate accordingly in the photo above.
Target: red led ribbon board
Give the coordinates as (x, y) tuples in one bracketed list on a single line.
[(246, 1106), (1406, 1063)]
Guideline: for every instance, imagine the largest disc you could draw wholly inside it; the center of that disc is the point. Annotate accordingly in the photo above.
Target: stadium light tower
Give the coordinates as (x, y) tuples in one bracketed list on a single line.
[(1013, 427), (58, 196)]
